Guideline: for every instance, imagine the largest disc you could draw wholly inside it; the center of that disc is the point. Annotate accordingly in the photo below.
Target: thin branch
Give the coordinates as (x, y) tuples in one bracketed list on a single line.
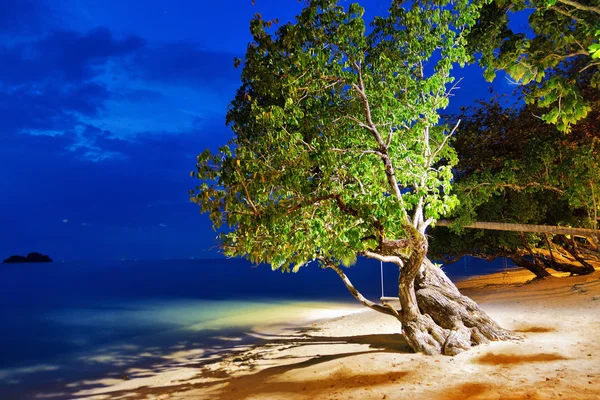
[(361, 92), (428, 222), (565, 13), (580, 6), (389, 168), (311, 202), (357, 295), (248, 198), (453, 258), (298, 78), (362, 124), (362, 188), (454, 87), (391, 259), (390, 135), (441, 146), (301, 141), (357, 151), (588, 66), (563, 56), (523, 187)]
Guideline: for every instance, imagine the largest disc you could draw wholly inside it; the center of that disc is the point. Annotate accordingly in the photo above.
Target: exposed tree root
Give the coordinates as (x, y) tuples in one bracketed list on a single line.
[(453, 321), (436, 318), (565, 267), (537, 267)]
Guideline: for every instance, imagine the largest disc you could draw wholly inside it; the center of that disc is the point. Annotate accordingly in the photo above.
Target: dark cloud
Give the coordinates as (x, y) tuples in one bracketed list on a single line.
[(50, 83), (49, 107), (186, 63), (64, 95), (62, 56)]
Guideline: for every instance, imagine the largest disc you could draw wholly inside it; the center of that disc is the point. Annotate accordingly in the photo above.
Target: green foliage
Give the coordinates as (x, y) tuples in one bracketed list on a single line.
[(337, 142), (560, 32), (595, 48), (521, 171)]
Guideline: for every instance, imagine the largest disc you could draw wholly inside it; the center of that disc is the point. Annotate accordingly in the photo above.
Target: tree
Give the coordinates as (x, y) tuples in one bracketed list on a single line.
[(524, 171), (338, 152), (558, 31)]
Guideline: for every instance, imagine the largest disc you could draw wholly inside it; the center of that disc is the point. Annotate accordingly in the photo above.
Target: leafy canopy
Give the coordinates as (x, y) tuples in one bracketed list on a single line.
[(337, 143), (559, 31), (516, 152), (521, 171)]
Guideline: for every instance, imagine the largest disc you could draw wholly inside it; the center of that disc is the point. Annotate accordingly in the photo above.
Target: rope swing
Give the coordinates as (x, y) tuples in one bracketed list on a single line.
[(383, 298), (381, 265)]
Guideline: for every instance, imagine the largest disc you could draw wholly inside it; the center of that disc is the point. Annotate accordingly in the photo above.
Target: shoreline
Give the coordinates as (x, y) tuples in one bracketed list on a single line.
[(359, 354), (222, 338)]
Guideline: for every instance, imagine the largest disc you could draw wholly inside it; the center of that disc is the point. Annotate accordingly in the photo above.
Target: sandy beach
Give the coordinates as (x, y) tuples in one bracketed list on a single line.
[(359, 354)]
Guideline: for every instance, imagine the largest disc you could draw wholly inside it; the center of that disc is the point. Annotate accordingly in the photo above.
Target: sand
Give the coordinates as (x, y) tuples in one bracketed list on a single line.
[(360, 355)]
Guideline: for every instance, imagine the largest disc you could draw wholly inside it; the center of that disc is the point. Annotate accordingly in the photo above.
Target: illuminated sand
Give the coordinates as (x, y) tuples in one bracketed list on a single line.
[(360, 355)]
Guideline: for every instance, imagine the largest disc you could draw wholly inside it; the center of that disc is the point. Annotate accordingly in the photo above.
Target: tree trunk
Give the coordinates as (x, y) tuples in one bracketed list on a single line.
[(565, 267), (436, 318), (454, 323), (535, 267), (571, 248), (420, 330)]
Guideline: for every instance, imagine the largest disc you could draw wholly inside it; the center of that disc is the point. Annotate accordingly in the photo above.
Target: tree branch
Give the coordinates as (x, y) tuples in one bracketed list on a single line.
[(357, 295), (441, 146), (248, 198), (514, 186), (361, 91), (391, 259), (581, 7), (589, 66), (573, 252), (389, 168), (427, 222), (357, 151), (565, 13), (311, 202), (370, 128), (390, 136), (453, 257)]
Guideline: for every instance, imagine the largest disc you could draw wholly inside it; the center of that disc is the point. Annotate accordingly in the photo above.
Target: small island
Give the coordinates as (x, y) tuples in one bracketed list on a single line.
[(30, 258)]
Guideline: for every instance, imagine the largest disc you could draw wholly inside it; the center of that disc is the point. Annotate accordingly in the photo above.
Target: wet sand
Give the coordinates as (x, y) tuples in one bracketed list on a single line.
[(359, 355)]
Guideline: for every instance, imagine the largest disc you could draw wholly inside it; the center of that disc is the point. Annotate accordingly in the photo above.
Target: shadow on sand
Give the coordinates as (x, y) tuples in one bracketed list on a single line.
[(243, 352)]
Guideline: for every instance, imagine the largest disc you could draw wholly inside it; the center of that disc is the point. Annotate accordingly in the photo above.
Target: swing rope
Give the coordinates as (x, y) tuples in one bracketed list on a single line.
[(381, 265), (383, 298)]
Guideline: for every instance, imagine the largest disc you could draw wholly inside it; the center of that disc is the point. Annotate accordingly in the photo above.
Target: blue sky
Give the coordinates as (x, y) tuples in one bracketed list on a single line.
[(104, 106)]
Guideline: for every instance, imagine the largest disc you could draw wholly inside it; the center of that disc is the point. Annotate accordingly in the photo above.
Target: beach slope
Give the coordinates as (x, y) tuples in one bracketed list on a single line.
[(361, 355)]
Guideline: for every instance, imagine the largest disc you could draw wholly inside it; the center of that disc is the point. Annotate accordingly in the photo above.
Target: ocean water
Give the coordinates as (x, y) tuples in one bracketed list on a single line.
[(67, 322)]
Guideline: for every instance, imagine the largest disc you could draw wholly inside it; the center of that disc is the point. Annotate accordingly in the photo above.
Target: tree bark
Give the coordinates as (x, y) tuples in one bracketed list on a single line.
[(569, 245), (535, 267), (436, 318), (572, 249), (462, 322), (564, 267), (420, 330)]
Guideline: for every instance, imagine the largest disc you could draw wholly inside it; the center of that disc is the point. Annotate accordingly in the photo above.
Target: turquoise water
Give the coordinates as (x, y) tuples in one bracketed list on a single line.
[(64, 322)]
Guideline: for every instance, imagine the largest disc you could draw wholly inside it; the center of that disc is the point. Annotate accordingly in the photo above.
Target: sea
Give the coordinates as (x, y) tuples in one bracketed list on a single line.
[(68, 322)]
